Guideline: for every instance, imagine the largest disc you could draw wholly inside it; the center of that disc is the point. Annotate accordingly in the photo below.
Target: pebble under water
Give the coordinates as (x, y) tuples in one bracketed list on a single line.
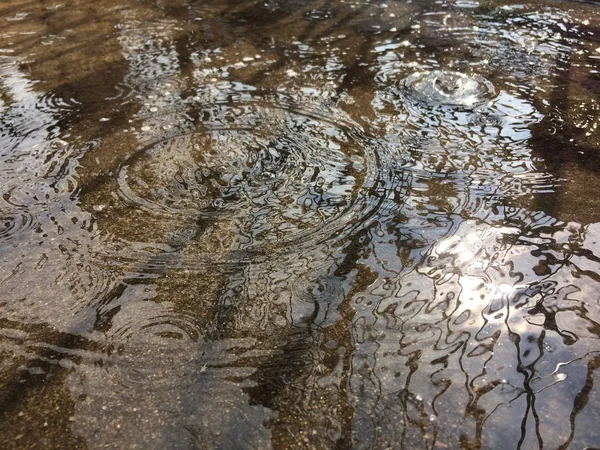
[(299, 224)]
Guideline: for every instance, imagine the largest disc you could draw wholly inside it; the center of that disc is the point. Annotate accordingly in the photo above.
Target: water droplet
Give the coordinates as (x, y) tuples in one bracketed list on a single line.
[(449, 88)]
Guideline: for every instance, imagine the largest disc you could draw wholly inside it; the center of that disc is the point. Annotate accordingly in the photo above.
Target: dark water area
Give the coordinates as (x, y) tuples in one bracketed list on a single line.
[(299, 224)]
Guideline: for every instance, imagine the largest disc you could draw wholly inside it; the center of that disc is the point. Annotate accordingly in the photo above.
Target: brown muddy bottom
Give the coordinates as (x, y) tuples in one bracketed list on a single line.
[(295, 224)]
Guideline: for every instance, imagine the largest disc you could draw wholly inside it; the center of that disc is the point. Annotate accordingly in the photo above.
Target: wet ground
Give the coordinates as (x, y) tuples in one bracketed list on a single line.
[(299, 224)]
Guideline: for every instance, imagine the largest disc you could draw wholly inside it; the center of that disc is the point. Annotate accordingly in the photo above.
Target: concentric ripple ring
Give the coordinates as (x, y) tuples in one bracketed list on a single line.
[(265, 173), (13, 224), (443, 87)]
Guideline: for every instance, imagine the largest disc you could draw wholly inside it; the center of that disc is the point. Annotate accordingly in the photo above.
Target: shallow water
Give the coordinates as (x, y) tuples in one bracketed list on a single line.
[(299, 224)]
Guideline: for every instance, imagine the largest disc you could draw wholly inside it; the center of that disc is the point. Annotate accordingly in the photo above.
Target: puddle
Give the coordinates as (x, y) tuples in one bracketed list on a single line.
[(299, 224)]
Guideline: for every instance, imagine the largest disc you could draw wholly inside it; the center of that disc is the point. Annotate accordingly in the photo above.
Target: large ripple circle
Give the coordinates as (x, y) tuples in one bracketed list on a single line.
[(268, 173), (13, 225)]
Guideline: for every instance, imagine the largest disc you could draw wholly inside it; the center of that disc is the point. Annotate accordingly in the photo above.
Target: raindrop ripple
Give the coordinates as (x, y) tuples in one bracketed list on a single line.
[(267, 173), (443, 87)]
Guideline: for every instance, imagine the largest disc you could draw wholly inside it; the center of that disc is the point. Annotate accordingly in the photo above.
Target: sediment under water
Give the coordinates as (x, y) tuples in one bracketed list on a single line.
[(299, 224)]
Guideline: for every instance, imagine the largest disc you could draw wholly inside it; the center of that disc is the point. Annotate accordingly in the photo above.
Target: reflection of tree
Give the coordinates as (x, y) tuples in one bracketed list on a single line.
[(434, 322)]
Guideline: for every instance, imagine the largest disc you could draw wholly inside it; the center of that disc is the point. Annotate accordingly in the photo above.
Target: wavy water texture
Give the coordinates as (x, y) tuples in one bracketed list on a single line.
[(257, 175), (301, 224)]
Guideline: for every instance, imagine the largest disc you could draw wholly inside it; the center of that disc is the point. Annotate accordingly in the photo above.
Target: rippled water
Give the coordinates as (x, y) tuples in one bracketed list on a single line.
[(299, 224)]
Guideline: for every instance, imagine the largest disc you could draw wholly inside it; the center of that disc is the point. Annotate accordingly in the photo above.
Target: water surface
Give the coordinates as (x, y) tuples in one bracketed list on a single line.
[(299, 224)]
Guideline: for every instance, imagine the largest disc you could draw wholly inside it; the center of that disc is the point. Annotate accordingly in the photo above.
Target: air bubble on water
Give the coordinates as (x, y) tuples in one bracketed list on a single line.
[(548, 348), (560, 376), (59, 143), (449, 88)]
